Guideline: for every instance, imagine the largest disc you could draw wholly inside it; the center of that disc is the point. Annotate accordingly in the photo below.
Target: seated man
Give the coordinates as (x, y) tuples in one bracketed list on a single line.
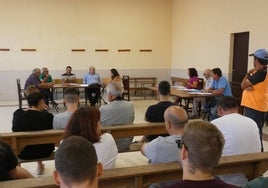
[(241, 134), (94, 82), (200, 151), (220, 87), (76, 164), (71, 100), (155, 113), (45, 77), (164, 149), (208, 84), (117, 112), (68, 77), (33, 79), (9, 165)]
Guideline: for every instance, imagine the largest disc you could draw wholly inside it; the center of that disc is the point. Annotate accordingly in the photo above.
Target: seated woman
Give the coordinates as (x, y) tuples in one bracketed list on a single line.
[(34, 118), (115, 76), (192, 83), (9, 165), (85, 122)]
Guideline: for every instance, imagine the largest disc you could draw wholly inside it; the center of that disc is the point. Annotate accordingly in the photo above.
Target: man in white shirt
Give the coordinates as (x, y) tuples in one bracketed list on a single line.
[(208, 84), (241, 133)]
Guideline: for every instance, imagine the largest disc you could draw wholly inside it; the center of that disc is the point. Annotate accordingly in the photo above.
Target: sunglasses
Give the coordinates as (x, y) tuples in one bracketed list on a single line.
[(180, 144)]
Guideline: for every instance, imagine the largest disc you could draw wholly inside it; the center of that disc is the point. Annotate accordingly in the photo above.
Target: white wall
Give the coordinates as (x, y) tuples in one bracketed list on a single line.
[(201, 31), (54, 27)]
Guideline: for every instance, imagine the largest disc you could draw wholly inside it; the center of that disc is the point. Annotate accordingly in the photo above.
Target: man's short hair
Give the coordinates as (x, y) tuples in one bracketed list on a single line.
[(76, 160), (35, 70), (217, 71), (227, 102), (204, 143), (177, 116), (115, 89), (71, 95), (68, 67), (164, 88), (34, 98)]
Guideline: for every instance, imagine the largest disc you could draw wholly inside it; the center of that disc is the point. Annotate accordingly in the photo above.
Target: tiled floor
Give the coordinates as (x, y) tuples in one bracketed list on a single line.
[(124, 159)]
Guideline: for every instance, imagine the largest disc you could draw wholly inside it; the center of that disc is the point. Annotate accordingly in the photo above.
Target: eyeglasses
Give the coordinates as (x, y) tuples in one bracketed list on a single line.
[(180, 144)]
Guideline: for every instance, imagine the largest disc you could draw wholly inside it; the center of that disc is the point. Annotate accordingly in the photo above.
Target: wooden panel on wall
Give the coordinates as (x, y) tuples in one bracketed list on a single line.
[(78, 50), (145, 50), (123, 50), (101, 50), (28, 49), (4, 49)]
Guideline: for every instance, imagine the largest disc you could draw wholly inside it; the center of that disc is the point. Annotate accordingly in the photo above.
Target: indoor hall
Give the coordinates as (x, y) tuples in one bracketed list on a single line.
[(123, 160)]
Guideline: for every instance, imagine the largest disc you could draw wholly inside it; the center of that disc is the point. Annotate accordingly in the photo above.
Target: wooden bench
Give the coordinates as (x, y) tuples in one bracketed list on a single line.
[(139, 83), (252, 165), (178, 79), (18, 140)]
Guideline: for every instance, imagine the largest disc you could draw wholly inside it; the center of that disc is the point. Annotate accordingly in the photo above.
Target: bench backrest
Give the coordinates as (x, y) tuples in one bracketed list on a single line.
[(18, 140), (253, 165)]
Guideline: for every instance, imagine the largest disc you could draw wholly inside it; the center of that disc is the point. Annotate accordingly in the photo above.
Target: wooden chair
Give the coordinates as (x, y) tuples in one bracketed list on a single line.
[(21, 93), (126, 87)]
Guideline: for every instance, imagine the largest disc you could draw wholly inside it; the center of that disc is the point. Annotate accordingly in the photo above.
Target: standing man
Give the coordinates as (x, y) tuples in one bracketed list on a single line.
[(68, 77), (220, 87), (155, 113), (255, 86), (94, 82), (117, 112)]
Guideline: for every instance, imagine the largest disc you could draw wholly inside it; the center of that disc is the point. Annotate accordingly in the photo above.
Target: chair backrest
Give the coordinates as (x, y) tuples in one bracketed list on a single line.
[(21, 94), (200, 83), (126, 87)]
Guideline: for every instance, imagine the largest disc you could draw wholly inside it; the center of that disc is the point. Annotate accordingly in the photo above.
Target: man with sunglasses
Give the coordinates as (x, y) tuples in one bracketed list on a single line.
[(200, 151)]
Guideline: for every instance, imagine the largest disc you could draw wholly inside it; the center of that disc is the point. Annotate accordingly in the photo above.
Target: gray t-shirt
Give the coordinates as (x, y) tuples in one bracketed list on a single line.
[(162, 149), (118, 112), (60, 120)]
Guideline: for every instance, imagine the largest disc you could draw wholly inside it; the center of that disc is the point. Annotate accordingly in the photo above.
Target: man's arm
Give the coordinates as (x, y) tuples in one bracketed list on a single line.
[(20, 173)]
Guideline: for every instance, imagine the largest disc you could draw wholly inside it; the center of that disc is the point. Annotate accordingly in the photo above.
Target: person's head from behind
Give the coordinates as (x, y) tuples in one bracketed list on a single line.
[(114, 91), (68, 70), (114, 73), (164, 88), (36, 100), (76, 163), (175, 119), (85, 122), (71, 96), (226, 105), (216, 73), (201, 147), (192, 72)]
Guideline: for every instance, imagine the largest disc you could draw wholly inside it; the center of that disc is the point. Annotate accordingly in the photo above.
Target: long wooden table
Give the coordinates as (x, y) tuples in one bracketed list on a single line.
[(184, 94)]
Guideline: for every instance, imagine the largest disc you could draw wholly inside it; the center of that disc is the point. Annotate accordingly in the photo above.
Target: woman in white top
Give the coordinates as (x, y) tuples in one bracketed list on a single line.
[(85, 122)]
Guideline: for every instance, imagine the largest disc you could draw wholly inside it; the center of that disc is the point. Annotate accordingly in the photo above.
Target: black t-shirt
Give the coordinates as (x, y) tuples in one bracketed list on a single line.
[(8, 161), (32, 120), (155, 113), (258, 76)]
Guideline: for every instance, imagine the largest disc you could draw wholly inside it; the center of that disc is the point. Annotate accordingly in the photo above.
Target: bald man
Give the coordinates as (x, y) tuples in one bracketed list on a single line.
[(164, 149)]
